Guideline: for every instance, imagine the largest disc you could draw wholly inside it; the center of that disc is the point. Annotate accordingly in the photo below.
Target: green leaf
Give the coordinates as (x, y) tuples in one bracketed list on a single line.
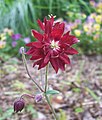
[(62, 115), (76, 90), (52, 92), (7, 114), (32, 111), (19, 85), (1, 111), (93, 94), (79, 110)]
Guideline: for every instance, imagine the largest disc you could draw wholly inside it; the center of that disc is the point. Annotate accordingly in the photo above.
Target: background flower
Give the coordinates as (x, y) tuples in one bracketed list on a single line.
[(16, 36)]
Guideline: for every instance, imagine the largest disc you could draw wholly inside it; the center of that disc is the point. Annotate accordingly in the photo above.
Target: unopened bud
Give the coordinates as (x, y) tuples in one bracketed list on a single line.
[(22, 50), (38, 98), (19, 105)]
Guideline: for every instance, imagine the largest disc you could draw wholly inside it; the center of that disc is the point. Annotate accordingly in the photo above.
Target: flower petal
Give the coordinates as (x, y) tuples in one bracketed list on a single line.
[(37, 35), (61, 64), (37, 44), (36, 57), (29, 44), (71, 51), (48, 27), (47, 57), (38, 62), (68, 39), (65, 58), (56, 33), (42, 64), (38, 52), (54, 64), (41, 25), (30, 51)]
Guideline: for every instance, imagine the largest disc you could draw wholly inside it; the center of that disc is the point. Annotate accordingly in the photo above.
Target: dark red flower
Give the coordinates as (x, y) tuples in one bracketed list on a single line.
[(52, 46)]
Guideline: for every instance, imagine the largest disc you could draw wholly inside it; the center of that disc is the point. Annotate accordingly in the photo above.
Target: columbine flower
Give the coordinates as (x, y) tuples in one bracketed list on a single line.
[(16, 36), (52, 46), (19, 105)]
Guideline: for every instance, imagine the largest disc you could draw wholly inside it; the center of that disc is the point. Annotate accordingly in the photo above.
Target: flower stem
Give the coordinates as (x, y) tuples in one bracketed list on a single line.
[(47, 98), (52, 109), (46, 80), (25, 64), (27, 95)]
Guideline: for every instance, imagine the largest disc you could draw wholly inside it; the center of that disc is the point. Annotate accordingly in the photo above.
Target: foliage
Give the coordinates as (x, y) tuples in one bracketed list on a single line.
[(9, 113), (79, 109), (93, 94), (6, 114), (21, 15), (52, 92), (82, 17), (63, 115), (10, 44), (88, 28), (32, 111)]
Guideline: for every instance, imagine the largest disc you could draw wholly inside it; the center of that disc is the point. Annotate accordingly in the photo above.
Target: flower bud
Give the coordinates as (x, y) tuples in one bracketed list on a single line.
[(38, 98), (19, 105)]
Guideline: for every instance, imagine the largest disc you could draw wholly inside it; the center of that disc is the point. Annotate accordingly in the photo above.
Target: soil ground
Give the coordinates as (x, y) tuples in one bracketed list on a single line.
[(80, 87)]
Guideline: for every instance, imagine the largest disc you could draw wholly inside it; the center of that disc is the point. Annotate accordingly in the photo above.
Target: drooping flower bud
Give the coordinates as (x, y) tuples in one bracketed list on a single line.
[(19, 105), (38, 97)]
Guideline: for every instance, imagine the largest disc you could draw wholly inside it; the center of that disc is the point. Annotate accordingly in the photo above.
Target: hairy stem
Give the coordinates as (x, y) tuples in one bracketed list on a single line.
[(25, 64)]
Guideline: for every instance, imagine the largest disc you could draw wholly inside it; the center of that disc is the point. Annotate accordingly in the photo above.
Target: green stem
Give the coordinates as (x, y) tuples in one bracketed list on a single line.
[(25, 64), (48, 101), (46, 80)]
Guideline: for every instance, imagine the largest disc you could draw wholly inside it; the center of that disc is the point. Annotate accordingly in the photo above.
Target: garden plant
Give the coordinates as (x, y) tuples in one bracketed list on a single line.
[(52, 46), (61, 55)]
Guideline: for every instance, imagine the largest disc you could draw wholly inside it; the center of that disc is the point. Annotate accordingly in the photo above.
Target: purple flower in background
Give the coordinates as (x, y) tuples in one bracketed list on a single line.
[(67, 26), (14, 43), (78, 21), (16, 36), (90, 19), (26, 40)]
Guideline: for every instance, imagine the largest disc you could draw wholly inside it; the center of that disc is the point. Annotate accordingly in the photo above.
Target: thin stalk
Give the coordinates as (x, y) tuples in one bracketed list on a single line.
[(46, 80), (53, 111), (25, 64), (27, 95), (48, 101)]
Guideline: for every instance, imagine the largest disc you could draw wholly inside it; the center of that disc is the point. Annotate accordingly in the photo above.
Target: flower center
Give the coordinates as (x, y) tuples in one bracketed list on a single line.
[(54, 45)]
